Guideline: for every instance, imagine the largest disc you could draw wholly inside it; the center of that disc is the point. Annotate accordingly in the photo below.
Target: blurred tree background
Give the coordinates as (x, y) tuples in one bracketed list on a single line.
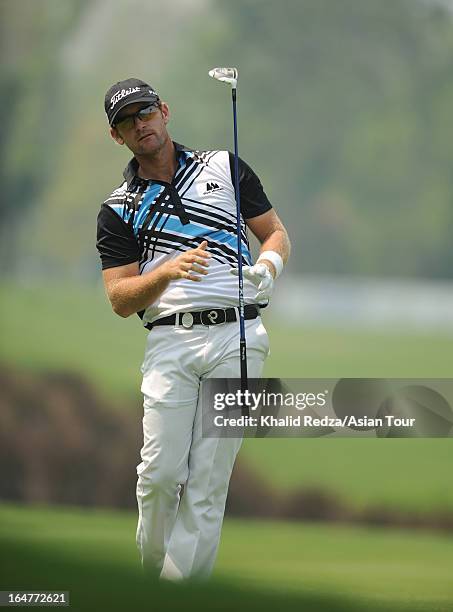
[(344, 112)]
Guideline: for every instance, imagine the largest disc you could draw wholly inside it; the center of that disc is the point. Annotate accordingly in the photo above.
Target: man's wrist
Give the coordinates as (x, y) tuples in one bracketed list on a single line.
[(273, 261), (162, 273), (270, 266)]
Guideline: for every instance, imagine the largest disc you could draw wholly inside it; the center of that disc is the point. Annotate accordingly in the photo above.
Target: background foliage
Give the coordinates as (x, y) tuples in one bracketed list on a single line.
[(345, 112)]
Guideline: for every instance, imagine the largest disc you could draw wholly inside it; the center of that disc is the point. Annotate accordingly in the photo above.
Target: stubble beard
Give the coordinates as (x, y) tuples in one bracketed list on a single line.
[(150, 153)]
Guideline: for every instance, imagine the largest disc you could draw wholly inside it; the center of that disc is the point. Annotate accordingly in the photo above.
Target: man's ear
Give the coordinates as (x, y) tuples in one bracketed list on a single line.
[(116, 136), (165, 112)]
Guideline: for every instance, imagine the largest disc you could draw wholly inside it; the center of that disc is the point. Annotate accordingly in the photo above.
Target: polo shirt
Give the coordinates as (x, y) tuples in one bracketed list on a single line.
[(151, 221)]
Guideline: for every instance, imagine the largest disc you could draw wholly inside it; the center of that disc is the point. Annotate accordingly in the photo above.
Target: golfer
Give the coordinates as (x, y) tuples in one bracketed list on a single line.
[(168, 246)]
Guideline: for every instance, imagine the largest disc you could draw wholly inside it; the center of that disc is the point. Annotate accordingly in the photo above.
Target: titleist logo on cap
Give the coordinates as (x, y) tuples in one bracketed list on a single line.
[(119, 95)]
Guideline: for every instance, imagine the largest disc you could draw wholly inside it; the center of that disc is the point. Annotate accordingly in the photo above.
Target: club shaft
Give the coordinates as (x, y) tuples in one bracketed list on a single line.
[(242, 340)]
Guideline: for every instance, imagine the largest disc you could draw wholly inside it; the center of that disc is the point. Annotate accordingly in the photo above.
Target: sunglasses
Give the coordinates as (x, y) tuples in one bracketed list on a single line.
[(144, 114)]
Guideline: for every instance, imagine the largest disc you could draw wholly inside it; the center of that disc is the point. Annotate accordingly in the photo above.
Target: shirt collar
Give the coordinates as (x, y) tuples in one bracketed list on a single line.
[(130, 171)]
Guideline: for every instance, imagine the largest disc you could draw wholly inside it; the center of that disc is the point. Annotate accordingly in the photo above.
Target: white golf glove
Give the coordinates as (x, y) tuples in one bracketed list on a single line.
[(261, 277)]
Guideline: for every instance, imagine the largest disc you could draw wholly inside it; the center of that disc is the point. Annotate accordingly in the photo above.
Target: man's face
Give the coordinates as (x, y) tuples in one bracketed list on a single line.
[(142, 137)]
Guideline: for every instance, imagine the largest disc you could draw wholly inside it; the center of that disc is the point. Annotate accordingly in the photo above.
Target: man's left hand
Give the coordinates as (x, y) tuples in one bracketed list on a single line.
[(261, 277)]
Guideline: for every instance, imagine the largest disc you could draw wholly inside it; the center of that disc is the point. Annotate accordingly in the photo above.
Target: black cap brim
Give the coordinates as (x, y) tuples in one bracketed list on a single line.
[(148, 98)]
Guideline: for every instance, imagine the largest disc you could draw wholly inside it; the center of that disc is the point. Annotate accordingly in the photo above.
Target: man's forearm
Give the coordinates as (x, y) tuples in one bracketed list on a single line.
[(277, 241), (130, 292), (134, 293)]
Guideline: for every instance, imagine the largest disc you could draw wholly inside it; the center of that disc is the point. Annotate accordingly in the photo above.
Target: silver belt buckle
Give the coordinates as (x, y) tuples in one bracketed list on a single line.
[(187, 320)]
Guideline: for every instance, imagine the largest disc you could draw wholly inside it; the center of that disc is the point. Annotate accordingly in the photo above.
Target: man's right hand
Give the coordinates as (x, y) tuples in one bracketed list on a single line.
[(189, 264)]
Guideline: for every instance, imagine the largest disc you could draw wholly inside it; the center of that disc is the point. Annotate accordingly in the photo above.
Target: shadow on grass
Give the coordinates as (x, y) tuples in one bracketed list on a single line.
[(109, 586)]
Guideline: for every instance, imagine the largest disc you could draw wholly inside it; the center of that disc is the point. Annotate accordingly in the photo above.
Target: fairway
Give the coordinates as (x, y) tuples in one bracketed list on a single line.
[(78, 331), (379, 564), (413, 475), (380, 569), (75, 328)]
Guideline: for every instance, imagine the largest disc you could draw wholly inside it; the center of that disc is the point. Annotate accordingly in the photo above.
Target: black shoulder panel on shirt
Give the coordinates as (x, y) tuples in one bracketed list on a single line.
[(254, 201), (115, 241)]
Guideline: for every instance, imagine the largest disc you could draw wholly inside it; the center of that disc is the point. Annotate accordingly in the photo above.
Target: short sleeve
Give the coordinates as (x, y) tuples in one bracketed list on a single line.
[(254, 201), (115, 241)]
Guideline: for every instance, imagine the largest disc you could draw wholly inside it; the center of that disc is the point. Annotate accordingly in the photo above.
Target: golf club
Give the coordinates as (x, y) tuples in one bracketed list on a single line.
[(230, 75)]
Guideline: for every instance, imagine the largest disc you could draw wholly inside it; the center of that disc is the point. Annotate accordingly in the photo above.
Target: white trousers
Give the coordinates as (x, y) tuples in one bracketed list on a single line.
[(183, 478)]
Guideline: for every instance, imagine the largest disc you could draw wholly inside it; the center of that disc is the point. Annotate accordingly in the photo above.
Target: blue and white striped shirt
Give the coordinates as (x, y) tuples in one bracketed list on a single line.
[(150, 222)]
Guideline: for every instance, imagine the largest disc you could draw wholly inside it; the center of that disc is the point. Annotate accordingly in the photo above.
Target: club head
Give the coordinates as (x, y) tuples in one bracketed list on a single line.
[(227, 75)]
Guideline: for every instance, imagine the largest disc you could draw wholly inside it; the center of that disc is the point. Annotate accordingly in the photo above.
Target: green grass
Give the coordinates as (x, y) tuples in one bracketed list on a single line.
[(48, 328), (412, 475), (378, 564), (260, 566), (346, 353), (74, 328)]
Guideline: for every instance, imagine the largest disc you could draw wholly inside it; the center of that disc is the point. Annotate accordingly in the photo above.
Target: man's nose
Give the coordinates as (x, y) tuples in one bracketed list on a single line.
[(138, 121)]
